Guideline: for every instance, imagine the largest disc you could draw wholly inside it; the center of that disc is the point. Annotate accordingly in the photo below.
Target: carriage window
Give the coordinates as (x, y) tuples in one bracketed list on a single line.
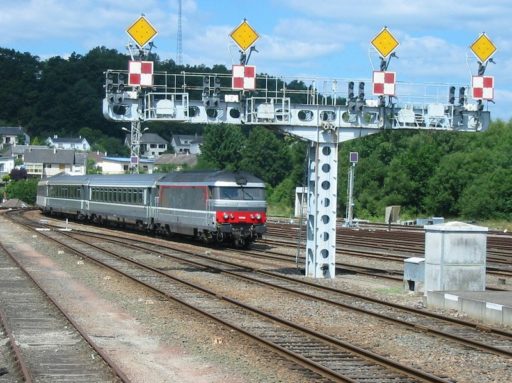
[(240, 193)]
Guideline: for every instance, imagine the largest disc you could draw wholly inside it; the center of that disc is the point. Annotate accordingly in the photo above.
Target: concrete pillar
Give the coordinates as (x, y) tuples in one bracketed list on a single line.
[(455, 257)]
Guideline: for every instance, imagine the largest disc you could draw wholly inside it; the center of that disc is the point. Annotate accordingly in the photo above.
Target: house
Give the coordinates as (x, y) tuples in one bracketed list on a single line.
[(6, 165), (18, 151), (48, 162), (10, 135), (122, 165), (182, 143), (69, 143), (152, 145)]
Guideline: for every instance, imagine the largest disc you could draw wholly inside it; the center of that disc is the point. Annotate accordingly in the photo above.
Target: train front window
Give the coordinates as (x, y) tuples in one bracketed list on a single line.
[(240, 193)]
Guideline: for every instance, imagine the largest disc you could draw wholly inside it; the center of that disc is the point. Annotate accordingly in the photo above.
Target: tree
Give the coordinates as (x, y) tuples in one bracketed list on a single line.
[(17, 174), (266, 155), (25, 190), (222, 147)]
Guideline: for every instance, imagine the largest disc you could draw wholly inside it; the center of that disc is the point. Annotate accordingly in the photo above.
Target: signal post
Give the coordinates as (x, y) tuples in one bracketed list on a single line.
[(323, 120)]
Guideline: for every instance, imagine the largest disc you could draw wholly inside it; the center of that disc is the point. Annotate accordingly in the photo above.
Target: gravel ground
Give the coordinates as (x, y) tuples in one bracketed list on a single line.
[(160, 341)]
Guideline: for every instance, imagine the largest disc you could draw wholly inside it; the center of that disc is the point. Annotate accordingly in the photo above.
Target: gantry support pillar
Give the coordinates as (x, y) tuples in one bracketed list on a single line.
[(321, 217), (135, 137)]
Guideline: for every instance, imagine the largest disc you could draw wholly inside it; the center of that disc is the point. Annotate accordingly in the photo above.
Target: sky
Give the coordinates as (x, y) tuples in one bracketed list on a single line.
[(298, 38)]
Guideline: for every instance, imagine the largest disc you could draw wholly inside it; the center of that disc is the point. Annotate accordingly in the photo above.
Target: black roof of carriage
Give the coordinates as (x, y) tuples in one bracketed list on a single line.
[(210, 176)]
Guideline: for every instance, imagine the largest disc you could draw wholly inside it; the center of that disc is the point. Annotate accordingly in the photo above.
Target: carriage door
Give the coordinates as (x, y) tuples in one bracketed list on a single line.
[(84, 197), (210, 208)]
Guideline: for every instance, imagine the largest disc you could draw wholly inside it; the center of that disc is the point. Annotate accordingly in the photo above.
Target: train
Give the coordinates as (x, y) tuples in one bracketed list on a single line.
[(214, 206)]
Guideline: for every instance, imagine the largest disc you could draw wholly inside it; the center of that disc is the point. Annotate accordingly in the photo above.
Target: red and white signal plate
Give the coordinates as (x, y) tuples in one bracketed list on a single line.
[(140, 73), (482, 87), (244, 77), (384, 83)]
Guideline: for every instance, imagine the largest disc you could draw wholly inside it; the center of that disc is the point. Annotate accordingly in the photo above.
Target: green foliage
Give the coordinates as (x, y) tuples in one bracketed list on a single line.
[(282, 194), (91, 167), (167, 168), (427, 173), (431, 173), (222, 147), (24, 190), (111, 145), (265, 156), (37, 141)]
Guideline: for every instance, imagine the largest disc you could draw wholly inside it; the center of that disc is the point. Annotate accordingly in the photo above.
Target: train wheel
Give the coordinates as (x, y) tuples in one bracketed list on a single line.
[(242, 243)]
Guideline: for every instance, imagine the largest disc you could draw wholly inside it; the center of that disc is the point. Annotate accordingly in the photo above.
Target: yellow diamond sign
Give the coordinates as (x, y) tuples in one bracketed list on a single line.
[(244, 35), (483, 48), (385, 42), (141, 31)]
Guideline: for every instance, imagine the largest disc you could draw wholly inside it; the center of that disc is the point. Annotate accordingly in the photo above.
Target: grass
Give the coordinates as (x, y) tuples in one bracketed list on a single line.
[(392, 291), (501, 225), (279, 211)]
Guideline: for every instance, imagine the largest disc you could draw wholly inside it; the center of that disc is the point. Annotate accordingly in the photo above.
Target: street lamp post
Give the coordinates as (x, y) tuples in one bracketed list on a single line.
[(135, 136)]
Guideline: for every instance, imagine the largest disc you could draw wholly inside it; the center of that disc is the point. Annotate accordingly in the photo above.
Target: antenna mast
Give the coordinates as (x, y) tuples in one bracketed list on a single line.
[(179, 49)]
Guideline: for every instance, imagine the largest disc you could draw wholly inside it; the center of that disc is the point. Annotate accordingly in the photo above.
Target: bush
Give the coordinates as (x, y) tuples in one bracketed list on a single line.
[(25, 190)]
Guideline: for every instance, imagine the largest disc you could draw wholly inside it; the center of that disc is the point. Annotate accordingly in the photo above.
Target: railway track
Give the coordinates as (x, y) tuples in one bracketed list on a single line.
[(370, 245), (397, 239), (476, 331), (463, 333), (319, 353), (480, 337), (44, 343)]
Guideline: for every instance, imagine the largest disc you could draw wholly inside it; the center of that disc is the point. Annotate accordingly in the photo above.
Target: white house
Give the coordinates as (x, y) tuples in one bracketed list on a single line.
[(6, 165), (122, 165), (69, 143), (10, 135), (183, 144), (48, 162)]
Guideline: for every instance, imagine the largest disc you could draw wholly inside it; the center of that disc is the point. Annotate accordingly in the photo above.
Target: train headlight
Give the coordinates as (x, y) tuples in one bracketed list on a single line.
[(232, 216), (258, 216), (226, 216), (252, 216)]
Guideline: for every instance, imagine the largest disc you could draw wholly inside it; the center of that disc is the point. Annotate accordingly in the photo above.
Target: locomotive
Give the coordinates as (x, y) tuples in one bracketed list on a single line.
[(214, 206)]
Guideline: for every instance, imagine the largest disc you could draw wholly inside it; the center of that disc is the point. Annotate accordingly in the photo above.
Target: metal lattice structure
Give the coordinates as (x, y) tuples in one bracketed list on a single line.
[(324, 112)]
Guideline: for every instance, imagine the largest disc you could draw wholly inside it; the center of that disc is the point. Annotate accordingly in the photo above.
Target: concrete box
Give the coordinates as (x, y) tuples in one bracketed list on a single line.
[(455, 257), (414, 273)]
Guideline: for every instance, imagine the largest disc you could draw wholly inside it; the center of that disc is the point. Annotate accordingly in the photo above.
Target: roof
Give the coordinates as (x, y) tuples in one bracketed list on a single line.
[(63, 140), (127, 159), (152, 138), (210, 176), (21, 149), (81, 157), (104, 180), (52, 156), (13, 203), (179, 138), (11, 130), (176, 159), (96, 156)]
